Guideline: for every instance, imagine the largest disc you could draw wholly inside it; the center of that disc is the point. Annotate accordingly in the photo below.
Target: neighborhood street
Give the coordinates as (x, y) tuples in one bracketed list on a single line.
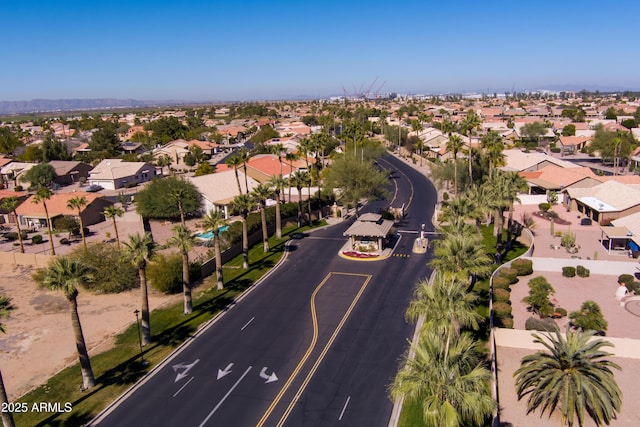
[(316, 343)]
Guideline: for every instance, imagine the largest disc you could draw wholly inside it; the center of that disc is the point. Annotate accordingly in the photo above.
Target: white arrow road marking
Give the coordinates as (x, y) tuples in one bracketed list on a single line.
[(269, 378), (225, 397), (224, 372), (186, 368)]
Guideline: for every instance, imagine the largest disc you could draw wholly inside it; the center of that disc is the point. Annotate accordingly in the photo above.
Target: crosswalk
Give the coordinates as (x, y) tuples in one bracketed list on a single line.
[(402, 255)]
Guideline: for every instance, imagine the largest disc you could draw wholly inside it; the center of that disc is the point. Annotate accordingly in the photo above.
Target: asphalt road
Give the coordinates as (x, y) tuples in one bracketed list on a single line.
[(315, 344)]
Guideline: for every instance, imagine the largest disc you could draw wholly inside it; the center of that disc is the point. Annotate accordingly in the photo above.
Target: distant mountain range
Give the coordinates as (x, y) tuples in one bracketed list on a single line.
[(52, 105)]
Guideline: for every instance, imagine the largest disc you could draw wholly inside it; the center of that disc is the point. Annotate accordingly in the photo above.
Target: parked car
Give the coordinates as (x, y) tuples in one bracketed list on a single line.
[(93, 188)]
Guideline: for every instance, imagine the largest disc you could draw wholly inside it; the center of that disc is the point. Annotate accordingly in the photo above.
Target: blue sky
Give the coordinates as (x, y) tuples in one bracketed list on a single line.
[(243, 50)]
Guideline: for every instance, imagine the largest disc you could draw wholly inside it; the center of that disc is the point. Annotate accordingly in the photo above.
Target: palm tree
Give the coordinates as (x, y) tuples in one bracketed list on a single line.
[(212, 221), (570, 375), (234, 162), (462, 207), (260, 194), (493, 146), (66, 275), (242, 205), (183, 240), (79, 203), (42, 195), (298, 180), (462, 257), (446, 306), (450, 379), (7, 417), (244, 156), (10, 204), (139, 250), (277, 183), (176, 196), (306, 147), (290, 157), (113, 212), (162, 161), (470, 122), (454, 144)]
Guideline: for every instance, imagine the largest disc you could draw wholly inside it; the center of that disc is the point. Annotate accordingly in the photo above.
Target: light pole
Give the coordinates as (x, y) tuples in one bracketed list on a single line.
[(142, 361)]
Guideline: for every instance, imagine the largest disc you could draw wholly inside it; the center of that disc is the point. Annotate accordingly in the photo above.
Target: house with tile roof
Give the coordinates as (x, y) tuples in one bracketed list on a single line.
[(518, 160), (70, 171), (218, 189), (556, 178), (604, 202), (32, 214), (572, 144), (6, 216), (116, 173)]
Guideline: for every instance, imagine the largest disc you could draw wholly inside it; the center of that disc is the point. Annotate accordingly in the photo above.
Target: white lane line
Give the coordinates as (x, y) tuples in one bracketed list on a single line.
[(186, 384), (344, 408), (247, 324), (225, 397)]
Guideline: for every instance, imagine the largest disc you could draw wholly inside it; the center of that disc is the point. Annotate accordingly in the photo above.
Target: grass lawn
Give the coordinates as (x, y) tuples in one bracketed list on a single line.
[(119, 368), (411, 414)]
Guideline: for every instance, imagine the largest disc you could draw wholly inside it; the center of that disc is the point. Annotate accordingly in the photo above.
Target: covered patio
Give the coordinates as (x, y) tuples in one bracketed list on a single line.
[(615, 238)]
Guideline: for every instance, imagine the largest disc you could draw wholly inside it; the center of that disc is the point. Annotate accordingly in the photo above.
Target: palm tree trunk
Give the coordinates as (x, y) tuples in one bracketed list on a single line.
[(19, 232), (46, 212), (186, 284), (218, 252), (115, 229), (88, 381), (144, 312), (265, 236), (498, 222), (245, 244), (7, 417), (309, 200), (235, 170), (181, 213), (299, 207), (84, 240), (455, 174), (278, 217)]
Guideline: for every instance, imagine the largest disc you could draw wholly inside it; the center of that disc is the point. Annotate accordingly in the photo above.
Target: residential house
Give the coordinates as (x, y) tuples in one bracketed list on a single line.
[(32, 214), (604, 202), (112, 174), (70, 171), (556, 178), (572, 144), (6, 216), (518, 160), (14, 171), (218, 189)]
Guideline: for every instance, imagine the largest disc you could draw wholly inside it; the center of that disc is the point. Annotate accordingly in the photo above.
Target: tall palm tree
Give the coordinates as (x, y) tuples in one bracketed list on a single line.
[(112, 212), (260, 195), (140, 249), (277, 183), (462, 257), (306, 148), (10, 204), (469, 123), (176, 196), (446, 306), (571, 375), (183, 240), (298, 180), (234, 162), (42, 195), (493, 146), (244, 156), (455, 144), (212, 221), (66, 275), (514, 184), (462, 207), (450, 380), (7, 417), (242, 205), (290, 157), (79, 203)]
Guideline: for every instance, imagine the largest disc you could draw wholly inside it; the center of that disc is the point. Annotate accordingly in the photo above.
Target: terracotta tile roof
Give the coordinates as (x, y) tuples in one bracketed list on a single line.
[(573, 140), (56, 205), (555, 176), (4, 161)]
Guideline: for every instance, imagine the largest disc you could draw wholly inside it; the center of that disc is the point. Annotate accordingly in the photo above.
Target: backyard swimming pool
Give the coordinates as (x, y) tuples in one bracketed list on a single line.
[(208, 235)]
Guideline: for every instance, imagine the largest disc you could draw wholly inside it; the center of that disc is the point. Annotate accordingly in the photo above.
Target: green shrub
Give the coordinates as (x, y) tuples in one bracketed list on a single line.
[(582, 271), (535, 324), (502, 309), (569, 271), (65, 241), (589, 318), (504, 322), (13, 235), (501, 295), (18, 188), (555, 149), (523, 266), (165, 273), (544, 206), (509, 273), (538, 299), (501, 282), (568, 239), (102, 257), (626, 279), (560, 311), (634, 287), (36, 239)]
